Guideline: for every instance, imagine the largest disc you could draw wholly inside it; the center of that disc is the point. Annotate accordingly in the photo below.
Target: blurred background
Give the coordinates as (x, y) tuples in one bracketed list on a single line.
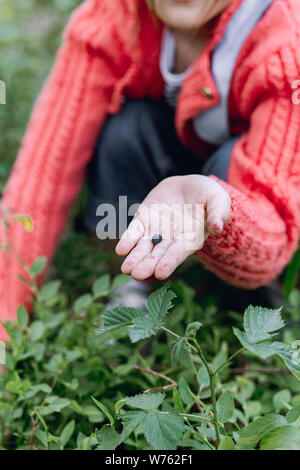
[(30, 33)]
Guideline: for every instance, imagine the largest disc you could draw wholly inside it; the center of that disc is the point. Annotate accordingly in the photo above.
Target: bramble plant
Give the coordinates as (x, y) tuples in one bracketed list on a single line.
[(70, 384), (60, 375)]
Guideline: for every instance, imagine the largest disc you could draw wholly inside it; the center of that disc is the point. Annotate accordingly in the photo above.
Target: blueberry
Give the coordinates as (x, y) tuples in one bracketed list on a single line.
[(156, 239)]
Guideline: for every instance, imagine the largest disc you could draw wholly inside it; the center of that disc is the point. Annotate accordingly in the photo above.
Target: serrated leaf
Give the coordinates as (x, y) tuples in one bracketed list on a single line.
[(283, 438), (142, 328), (181, 353), (38, 265), (130, 421), (226, 444), (259, 322), (252, 434), (23, 317), (159, 303), (101, 286), (67, 433), (120, 316), (146, 401), (104, 410), (108, 438), (163, 431), (263, 350), (290, 357), (225, 407)]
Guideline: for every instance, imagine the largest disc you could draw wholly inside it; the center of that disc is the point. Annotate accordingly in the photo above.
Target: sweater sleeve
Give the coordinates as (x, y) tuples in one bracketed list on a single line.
[(58, 144), (263, 182)]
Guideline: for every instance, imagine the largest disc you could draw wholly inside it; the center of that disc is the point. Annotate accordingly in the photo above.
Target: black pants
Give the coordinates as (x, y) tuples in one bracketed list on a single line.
[(138, 148)]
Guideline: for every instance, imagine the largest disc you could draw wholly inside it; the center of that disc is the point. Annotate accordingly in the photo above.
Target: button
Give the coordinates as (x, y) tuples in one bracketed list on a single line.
[(207, 92)]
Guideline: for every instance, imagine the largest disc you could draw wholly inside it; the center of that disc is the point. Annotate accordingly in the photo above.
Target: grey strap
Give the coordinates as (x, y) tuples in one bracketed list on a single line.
[(213, 124)]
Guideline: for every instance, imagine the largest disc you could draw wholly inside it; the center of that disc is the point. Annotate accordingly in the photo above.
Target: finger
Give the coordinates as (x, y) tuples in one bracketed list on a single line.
[(218, 211), (145, 268), (130, 237), (175, 255), (142, 249)]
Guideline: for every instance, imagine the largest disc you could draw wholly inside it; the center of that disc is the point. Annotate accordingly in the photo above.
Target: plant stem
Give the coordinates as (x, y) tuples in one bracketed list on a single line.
[(170, 332), (212, 389), (214, 406), (229, 360)]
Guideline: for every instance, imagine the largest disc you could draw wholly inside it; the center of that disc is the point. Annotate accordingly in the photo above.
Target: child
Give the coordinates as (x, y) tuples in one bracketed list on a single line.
[(192, 103)]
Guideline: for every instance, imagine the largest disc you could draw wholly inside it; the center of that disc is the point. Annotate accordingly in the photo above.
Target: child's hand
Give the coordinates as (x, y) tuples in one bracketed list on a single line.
[(184, 210)]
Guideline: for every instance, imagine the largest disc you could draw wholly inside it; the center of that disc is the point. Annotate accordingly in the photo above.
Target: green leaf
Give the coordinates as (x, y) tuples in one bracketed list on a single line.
[(283, 438), (252, 434), (49, 290), (54, 405), (142, 328), (203, 377), (259, 322), (177, 401), (130, 421), (119, 405), (120, 316), (181, 353), (163, 431), (67, 433), (280, 398), (290, 357), (185, 392), (225, 407), (101, 287), (23, 317), (263, 350), (35, 389), (291, 275), (38, 265), (82, 303), (159, 303), (93, 414), (42, 437), (293, 415), (192, 329), (104, 410), (226, 444), (120, 281), (36, 331), (146, 401), (108, 438)]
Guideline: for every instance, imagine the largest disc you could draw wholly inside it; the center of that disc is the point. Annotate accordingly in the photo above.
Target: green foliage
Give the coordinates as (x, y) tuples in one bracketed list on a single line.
[(64, 387), (60, 377), (30, 33)]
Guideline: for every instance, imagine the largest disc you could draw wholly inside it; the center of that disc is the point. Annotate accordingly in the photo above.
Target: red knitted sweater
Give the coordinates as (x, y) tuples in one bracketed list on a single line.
[(111, 48)]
